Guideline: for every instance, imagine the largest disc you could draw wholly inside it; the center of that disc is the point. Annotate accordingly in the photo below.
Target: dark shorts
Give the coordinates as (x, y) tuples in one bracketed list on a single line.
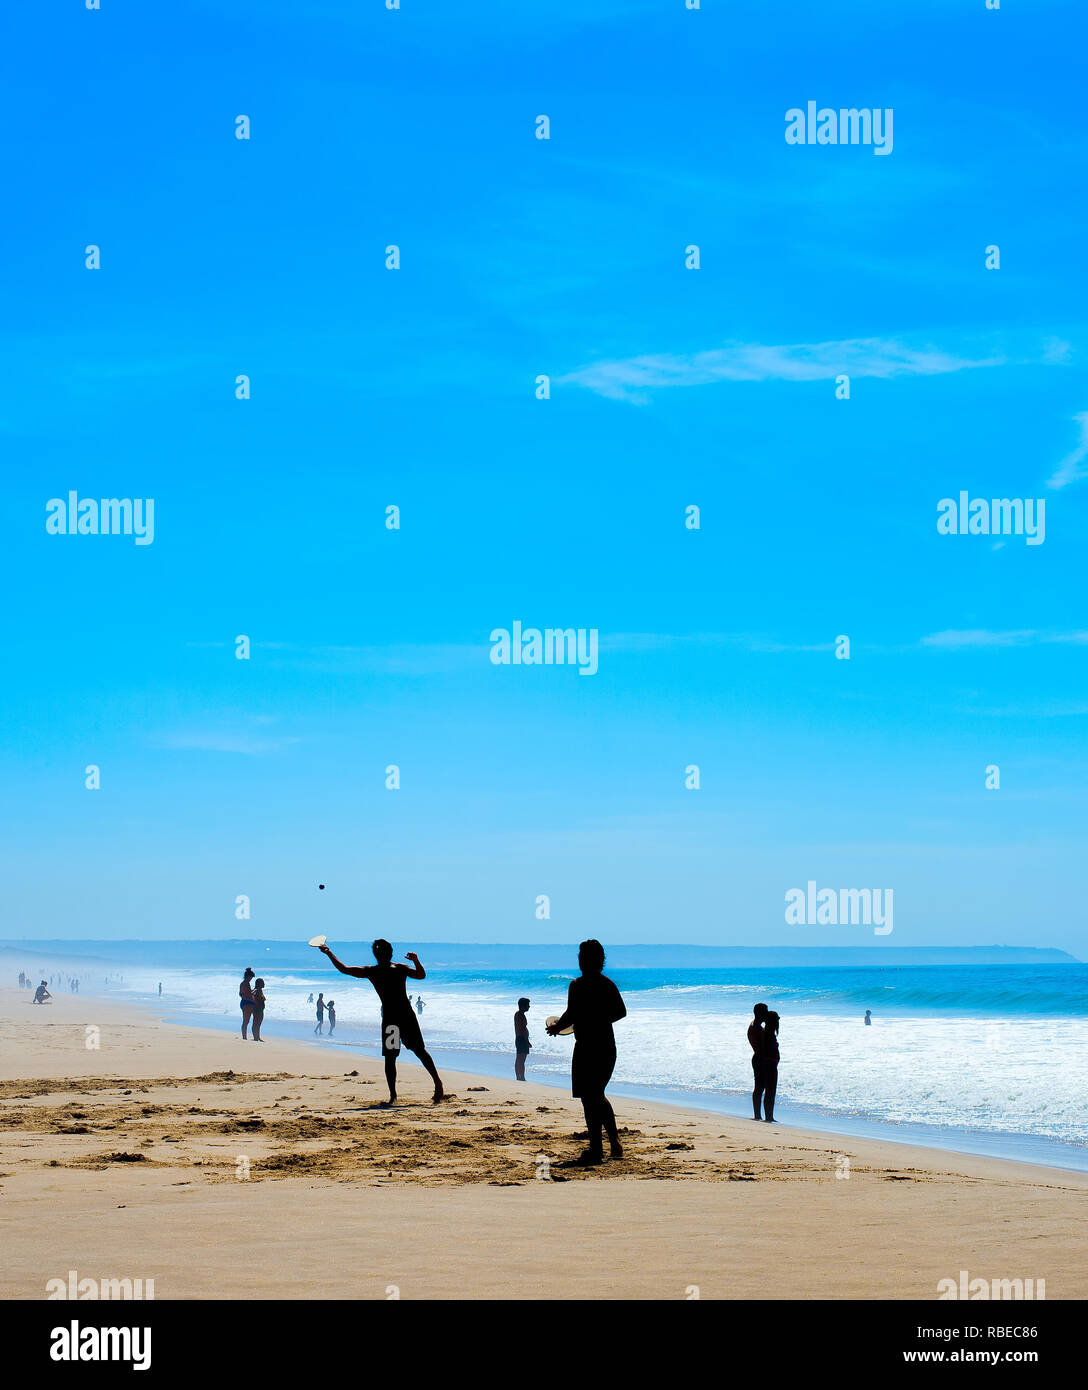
[(408, 1034), (245, 1003), (521, 1045), (591, 1069), (765, 1071)]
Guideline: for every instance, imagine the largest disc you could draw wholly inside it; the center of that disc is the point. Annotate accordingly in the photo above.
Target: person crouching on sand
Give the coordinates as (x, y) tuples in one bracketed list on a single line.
[(41, 994), (258, 1009), (593, 1005), (400, 1027)]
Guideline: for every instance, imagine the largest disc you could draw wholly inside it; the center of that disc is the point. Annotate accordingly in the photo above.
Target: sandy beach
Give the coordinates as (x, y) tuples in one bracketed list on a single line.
[(228, 1170)]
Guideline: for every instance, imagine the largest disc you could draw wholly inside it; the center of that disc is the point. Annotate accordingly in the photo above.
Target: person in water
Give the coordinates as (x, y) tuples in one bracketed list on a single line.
[(245, 1001), (868, 1018), (321, 1009), (400, 1027), (521, 1039), (258, 1009), (593, 1005), (330, 1011)]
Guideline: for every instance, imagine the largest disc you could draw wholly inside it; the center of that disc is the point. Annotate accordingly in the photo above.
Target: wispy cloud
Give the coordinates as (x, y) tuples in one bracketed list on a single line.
[(213, 742), (960, 638), (1035, 709), (630, 378), (1072, 468), (394, 659), (226, 732), (660, 641)]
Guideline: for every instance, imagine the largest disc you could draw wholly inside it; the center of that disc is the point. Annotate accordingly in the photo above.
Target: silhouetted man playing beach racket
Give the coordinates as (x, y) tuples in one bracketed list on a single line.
[(400, 1027)]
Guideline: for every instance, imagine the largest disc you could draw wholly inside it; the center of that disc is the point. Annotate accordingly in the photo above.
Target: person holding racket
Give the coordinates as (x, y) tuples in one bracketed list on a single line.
[(593, 1005), (400, 1026)]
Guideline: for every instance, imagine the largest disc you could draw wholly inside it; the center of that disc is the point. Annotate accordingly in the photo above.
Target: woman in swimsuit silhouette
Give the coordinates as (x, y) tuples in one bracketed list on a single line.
[(245, 1000)]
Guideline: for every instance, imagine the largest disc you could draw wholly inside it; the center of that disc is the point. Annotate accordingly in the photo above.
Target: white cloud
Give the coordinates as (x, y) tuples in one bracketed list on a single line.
[(220, 742), (659, 641), (394, 659), (1072, 469), (226, 731), (958, 638), (979, 637), (629, 378)]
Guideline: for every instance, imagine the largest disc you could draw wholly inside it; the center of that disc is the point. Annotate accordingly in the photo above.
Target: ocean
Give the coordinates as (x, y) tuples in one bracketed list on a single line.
[(979, 1058)]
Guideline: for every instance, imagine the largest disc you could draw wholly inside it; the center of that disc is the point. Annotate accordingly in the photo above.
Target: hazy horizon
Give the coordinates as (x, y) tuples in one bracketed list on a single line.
[(681, 950)]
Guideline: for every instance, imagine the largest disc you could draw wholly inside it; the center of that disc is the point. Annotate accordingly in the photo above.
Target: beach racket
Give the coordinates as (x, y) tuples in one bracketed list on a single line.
[(548, 1022), (318, 940)]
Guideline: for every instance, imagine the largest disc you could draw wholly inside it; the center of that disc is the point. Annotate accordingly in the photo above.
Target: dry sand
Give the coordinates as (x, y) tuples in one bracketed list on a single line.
[(224, 1169)]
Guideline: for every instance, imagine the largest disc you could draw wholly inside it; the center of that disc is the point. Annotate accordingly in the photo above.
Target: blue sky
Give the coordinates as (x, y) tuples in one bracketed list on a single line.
[(669, 388)]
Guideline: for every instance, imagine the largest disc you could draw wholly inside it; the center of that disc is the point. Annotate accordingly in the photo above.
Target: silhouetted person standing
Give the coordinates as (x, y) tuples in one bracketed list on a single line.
[(868, 1018), (330, 1010), (321, 1009), (769, 1065), (593, 1005), (755, 1042), (400, 1027), (245, 1000), (521, 1039), (258, 1009)]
